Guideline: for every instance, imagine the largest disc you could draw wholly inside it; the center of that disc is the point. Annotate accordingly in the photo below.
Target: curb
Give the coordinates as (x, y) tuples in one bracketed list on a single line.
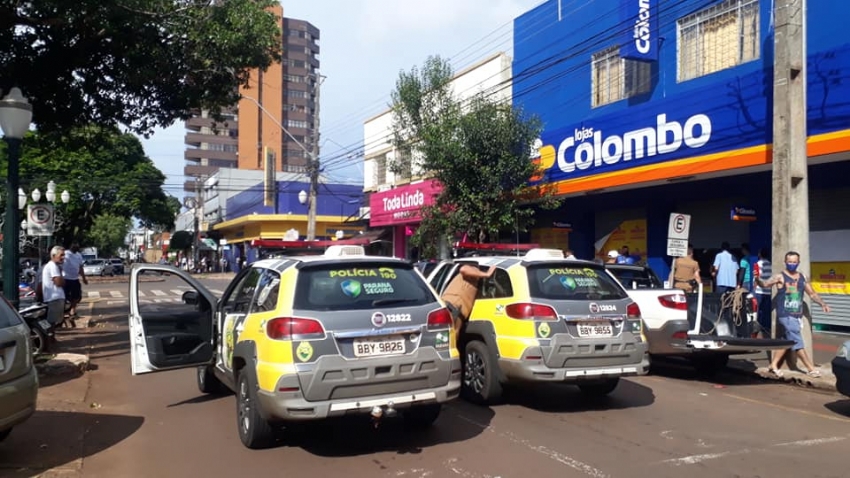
[(824, 383)]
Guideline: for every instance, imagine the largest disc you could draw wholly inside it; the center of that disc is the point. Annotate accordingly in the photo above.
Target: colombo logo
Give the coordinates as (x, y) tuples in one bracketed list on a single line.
[(587, 149)]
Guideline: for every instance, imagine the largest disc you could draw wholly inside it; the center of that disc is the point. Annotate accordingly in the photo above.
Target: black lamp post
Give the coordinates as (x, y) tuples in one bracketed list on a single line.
[(15, 118)]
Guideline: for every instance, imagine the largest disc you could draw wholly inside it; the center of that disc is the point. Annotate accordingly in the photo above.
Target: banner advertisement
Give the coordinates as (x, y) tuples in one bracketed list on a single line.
[(402, 205), (630, 233), (831, 278)]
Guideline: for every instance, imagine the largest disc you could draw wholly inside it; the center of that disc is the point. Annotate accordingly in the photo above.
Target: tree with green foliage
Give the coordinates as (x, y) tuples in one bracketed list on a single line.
[(479, 149), (105, 172), (108, 232), (181, 241), (138, 63)]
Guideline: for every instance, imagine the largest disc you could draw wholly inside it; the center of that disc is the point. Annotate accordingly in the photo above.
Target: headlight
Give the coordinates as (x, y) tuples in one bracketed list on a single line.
[(844, 351)]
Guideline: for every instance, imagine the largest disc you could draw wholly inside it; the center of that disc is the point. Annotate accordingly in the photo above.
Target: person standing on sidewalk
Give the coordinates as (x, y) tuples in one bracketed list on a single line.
[(763, 268), (73, 272), (52, 284), (745, 269), (685, 272), (725, 270), (790, 288)]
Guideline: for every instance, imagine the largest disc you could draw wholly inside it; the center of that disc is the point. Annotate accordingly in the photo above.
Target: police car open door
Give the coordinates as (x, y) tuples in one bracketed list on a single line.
[(171, 319)]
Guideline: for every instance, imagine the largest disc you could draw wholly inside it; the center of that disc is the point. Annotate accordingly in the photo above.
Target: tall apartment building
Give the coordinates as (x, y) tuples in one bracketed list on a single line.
[(284, 94)]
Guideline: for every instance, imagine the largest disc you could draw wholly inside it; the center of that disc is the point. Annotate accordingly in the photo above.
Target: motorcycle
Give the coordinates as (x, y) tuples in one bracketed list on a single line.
[(42, 332)]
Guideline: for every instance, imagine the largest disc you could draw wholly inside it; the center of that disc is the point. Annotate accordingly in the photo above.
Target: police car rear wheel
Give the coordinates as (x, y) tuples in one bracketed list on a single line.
[(254, 432), (480, 384)]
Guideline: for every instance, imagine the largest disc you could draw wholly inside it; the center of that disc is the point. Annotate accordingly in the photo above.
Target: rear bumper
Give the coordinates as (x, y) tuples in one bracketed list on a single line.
[(841, 369), (579, 359), (18, 399), (735, 345), (335, 386), (661, 341)]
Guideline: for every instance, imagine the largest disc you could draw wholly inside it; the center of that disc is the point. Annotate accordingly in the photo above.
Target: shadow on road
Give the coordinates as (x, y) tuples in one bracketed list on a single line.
[(60, 439), (840, 407), (562, 398), (352, 436), (682, 369)]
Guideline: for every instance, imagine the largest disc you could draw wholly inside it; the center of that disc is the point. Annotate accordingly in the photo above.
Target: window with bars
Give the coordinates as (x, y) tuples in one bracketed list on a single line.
[(381, 170), (719, 37), (616, 78)]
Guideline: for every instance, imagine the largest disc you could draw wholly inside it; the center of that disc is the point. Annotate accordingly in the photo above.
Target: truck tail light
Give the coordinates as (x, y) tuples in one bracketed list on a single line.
[(680, 335), (439, 319), (294, 328), (531, 311), (674, 301), (633, 311)]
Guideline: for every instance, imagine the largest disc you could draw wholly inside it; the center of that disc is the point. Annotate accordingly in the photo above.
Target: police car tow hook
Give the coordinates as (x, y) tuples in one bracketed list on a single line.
[(377, 413), (390, 411)]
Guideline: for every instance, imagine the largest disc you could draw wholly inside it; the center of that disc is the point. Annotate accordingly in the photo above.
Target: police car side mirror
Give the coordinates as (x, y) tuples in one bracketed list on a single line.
[(190, 297)]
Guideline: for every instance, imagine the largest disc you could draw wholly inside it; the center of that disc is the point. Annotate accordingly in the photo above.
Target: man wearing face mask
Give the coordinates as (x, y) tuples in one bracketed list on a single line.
[(790, 287)]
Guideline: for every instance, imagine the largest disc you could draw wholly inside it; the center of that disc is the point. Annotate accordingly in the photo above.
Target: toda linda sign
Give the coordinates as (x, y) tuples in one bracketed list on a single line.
[(402, 205)]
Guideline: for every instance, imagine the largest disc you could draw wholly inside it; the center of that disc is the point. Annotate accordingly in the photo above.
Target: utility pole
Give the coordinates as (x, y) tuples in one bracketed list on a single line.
[(197, 241), (313, 167), (790, 208)]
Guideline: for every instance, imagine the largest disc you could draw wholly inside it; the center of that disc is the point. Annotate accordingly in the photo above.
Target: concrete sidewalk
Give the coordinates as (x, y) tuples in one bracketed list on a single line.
[(824, 349)]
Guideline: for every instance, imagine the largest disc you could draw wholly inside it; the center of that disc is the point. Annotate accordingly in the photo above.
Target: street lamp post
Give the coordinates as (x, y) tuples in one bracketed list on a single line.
[(15, 118)]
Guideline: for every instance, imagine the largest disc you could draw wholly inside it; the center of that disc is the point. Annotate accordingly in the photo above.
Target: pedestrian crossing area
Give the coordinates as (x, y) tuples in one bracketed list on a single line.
[(145, 296)]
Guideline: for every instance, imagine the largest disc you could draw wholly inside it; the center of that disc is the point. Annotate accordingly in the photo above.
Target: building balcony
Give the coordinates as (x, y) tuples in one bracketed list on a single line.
[(199, 154), (195, 139), (196, 170)]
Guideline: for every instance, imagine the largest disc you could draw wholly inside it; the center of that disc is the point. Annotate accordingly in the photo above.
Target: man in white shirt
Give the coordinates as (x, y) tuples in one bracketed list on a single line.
[(52, 284), (72, 270)]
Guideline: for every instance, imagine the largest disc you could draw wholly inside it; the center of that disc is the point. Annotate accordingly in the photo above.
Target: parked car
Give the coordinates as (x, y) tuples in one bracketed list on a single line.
[(304, 338), (117, 265), (543, 318), (18, 377), (674, 327), (841, 369), (98, 267)]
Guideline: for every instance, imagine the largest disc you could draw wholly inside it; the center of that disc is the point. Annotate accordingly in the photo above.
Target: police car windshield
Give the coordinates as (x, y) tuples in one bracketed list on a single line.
[(567, 281), (360, 285)]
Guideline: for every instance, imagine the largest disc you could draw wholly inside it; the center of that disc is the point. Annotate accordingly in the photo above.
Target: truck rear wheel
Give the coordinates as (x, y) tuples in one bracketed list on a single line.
[(480, 377), (710, 364)]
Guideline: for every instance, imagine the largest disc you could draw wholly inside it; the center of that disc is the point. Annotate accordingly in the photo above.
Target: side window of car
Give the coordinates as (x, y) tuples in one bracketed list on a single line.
[(239, 300), (439, 280), (496, 287), (268, 291)]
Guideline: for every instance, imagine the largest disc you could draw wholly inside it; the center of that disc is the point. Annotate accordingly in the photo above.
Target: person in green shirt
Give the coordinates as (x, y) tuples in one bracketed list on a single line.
[(745, 269)]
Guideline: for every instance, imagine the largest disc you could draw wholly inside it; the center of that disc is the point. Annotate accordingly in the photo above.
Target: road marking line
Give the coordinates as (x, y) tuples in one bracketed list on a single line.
[(813, 442), (116, 293), (158, 292), (787, 409), (141, 294), (552, 454), (177, 291), (93, 294), (115, 302), (695, 459)]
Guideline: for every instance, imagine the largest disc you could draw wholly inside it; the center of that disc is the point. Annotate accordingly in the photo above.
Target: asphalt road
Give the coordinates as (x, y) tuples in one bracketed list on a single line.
[(668, 424)]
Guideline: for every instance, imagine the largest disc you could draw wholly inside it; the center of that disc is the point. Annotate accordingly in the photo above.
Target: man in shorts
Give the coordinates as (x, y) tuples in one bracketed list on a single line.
[(790, 287), (72, 270), (52, 284)]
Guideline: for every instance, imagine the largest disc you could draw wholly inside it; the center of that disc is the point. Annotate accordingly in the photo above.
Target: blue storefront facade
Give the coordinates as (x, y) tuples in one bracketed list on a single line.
[(657, 106)]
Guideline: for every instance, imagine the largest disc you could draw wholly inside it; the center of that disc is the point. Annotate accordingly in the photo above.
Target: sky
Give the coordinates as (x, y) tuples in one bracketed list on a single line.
[(364, 44)]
